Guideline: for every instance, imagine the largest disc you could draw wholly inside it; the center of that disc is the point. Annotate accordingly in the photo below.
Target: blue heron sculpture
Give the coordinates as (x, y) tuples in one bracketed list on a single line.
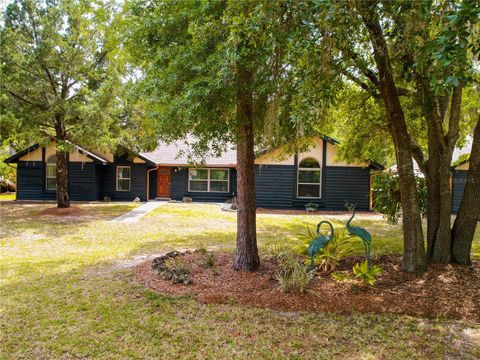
[(360, 232), (319, 242)]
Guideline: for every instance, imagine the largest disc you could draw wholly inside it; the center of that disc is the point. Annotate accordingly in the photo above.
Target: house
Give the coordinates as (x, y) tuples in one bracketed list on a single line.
[(459, 179), (281, 181)]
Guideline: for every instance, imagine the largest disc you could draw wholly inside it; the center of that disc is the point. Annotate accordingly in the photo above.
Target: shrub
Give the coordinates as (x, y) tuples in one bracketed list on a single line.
[(293, 275), (209, 261), (329, 257), (386, 195), (340, 276), (367, 275)]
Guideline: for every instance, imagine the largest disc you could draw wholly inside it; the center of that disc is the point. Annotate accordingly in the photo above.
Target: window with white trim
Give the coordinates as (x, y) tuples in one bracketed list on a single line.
[(209, 180), (309, 179), (51, 173), (123, 178)]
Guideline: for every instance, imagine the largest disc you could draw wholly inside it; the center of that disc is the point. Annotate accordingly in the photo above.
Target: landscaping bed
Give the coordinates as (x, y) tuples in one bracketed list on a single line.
[(444, 291)]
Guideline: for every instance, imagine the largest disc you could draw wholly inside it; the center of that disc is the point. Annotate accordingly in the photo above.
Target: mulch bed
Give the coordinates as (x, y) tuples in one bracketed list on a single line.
[(445, 290), (71, 211)]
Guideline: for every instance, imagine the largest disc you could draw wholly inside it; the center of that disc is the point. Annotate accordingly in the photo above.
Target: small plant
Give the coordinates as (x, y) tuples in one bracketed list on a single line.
[(311, 207), (340, 276), (367, 275), (209, 261), (329, 257), (277, 249), (293, 275)]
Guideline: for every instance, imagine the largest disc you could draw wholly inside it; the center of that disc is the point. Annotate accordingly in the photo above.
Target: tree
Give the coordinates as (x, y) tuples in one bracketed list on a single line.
[(60, 71), (209, 69), (405, 55)]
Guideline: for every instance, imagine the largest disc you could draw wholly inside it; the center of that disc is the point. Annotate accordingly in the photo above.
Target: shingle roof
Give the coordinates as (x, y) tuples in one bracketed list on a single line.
[(180, 153)]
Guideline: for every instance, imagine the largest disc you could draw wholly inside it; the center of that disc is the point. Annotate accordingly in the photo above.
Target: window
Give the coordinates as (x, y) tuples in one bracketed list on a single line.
[(309, 179), (123, 178), (209, 180), (51, 173)]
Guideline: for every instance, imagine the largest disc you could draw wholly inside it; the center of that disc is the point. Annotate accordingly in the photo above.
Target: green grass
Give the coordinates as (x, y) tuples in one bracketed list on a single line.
[(65, 293), (7, 197)]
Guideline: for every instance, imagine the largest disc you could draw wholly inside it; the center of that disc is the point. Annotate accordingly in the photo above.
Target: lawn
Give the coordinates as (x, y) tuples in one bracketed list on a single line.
[(7, 197), (67, 292)]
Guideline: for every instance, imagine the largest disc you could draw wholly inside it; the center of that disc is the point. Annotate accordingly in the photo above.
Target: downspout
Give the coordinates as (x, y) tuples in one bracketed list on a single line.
[(148, 180)]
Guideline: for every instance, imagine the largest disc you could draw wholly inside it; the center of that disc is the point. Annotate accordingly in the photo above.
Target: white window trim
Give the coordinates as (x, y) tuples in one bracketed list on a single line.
[(50, 177), (208, 180), (319, 169), (129, 179)]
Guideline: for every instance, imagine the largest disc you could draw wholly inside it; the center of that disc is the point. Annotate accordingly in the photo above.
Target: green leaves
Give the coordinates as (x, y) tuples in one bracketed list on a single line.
[(367, 275), (62, 69)]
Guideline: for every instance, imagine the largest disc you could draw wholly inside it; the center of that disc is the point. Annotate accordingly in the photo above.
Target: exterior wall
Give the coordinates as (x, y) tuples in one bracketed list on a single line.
[(31, 181), (459, 179), (275, 185), (464, 166), (331, 158), (153, 184), (138, 185), (36, 155), (347, 184), (179, 187)]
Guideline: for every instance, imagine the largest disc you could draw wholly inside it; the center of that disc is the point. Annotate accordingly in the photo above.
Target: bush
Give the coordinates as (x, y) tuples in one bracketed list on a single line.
[(329, 257), (386, 196), (209, 261), (367, 275), (293, 275)]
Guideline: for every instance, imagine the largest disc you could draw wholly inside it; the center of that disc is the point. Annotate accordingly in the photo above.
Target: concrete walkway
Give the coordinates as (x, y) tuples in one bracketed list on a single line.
[(136, 214)]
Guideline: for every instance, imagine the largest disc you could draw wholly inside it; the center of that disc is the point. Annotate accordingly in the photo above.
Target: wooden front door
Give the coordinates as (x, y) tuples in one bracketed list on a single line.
[(163, 182)]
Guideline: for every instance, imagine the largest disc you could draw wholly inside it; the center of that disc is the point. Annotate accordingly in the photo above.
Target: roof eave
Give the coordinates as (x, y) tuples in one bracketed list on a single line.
[(15, 157)]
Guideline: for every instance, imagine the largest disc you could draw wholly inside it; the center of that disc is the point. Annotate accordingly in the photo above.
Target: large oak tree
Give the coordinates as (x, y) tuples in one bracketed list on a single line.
[(416, 59)]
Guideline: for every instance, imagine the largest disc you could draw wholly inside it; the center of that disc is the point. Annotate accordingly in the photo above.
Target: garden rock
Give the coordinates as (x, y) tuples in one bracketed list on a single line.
[(177, 275)]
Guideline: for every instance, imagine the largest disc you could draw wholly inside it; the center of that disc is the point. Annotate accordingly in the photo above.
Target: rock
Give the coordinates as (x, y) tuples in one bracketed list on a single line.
[(107, 199), (177, 275), (187, 199)]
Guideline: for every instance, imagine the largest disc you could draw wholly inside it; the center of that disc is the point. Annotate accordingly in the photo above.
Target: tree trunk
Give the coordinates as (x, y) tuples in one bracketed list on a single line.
[(469, 212), (414, 257), (63, 200), (440, 152), (246, 255)]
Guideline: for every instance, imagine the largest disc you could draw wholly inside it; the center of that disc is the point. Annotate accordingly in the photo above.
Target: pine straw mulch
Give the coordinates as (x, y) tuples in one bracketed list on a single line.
[(71, 211), (445, 290)]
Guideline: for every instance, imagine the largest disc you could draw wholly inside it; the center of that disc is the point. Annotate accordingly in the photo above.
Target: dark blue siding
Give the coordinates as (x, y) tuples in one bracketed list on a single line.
[(81, 181), (179, 187), (459, 179), (346, 184), (31, 181), (274, 185), (153, 184), (138, 186)]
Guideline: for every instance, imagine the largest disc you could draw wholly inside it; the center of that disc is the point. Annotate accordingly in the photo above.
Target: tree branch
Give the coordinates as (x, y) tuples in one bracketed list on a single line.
[(19, 97)]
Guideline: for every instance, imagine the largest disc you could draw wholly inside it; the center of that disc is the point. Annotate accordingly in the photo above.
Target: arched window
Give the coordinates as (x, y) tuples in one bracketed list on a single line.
[(51, 173), (309, 179)]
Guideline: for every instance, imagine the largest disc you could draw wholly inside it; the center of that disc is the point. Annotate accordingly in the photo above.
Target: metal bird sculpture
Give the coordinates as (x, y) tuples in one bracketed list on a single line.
[(363, 234), (319, 242)]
